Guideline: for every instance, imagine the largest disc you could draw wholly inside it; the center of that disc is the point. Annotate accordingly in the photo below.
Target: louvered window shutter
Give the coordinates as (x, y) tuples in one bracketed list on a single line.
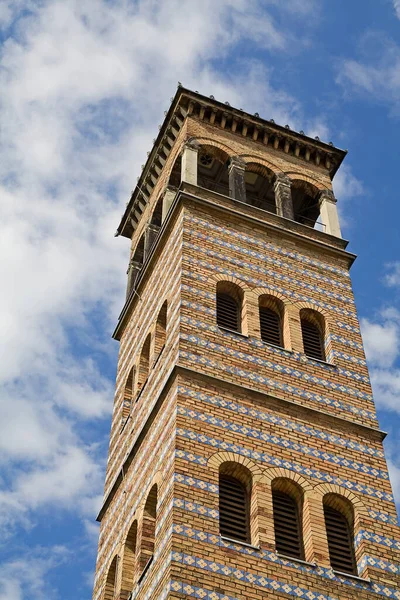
[(312, 340), (233, 509), (228, 312), (288, 539), (270, 325), (340, 542)]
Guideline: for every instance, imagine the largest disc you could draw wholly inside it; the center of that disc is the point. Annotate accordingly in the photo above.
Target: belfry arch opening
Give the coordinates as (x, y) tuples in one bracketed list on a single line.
[(260, 187), (305, 202), (175, 177), (212, 170)]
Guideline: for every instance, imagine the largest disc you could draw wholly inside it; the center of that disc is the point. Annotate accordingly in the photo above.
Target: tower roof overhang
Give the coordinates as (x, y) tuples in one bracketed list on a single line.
[(187, 102)]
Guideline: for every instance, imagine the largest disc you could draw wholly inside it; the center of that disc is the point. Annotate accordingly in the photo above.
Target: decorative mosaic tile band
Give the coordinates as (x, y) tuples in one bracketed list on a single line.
[(286, 370), (257, 343), (198, 483), (197, 592), (268, 259), (384, 517), (195, 507), (348, 327), (275, 461), (370, 536), (281, 421), (302, 258), (263, 282), (233, 571), (277, 385), (256, 434), (345, 341), (378, 563)]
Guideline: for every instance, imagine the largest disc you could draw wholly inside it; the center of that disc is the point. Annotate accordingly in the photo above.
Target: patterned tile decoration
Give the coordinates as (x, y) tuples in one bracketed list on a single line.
[(280, 351), (350, 328), (266, 258), (281, 368), (284, 422), (198, 483), (261, 282), (269, 556), (195, 507), (383, 517), (278, 385), (301, 258), (370, 536), (256, 434), (275, 461), (277, 586), (345, 341), (197, 592), (213, 513)]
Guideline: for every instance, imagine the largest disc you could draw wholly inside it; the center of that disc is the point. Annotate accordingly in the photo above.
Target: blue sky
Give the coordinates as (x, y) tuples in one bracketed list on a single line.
[(84, 85)]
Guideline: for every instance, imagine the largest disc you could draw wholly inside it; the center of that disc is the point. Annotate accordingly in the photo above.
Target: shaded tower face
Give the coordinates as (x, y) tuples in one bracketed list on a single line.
[(245, 457)]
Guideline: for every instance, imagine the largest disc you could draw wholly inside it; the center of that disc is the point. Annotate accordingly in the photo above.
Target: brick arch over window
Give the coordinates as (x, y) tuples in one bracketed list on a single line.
[(128, 574), (148, 533), (212, 169), (313, 328), (272, 316), (259, 181), (161, 330), (339, 526), (230, 306), (144, 364), (287, 502), (111, 580)]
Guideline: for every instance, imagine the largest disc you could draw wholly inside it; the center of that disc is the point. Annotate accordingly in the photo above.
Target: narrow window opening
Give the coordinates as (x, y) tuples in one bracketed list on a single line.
[(288, 538), (233, 509), (148, 532), (110, 587), (340, 541), (228, 312), (313, 341), (270, 325), (129, 561), (144, 364), (161, 330)]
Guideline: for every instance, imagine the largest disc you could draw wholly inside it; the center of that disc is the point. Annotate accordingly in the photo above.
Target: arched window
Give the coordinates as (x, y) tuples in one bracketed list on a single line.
[(259, 187), (128, 395), (229, 306), (176, 173), (234, 502), (339, 521), (148, 531), (286, 501), (305, 202), (161, 330), (213, 170), (109, 589), (135, 265), (271, 317), (156, 217), (129, 561), (144, 363), (312, 328)]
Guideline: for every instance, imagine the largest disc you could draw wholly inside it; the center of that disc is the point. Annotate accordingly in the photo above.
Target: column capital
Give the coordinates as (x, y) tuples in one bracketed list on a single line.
[(282, 179), (192, 143), (327, 195), (235, 162)]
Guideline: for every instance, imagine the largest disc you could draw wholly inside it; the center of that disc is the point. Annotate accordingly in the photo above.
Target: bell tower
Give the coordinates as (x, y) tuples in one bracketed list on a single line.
[(245, 457)]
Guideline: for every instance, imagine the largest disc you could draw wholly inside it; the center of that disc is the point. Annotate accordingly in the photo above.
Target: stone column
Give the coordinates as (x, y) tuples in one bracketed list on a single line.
[(283, 196), (150, 238), (237, 184), (169, 197), (133, 272), (189, 161), (329, 214)]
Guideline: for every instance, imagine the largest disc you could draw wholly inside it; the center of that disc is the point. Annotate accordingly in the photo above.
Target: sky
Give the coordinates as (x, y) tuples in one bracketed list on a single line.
[(83, 87)]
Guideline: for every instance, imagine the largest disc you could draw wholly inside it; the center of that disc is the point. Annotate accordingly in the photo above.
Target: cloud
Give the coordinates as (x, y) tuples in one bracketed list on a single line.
[(392, 278), (376, 73), (396, 6)]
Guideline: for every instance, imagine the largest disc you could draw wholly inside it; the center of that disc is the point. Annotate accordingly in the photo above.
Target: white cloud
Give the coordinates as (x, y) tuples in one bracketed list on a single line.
[(392, 278), (396, 6), (376, 73), (381, 341)]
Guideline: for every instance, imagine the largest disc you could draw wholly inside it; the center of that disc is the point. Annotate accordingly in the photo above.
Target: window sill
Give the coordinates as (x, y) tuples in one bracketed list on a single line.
[(277, 347), (227, 330), (146, 568), (158, 356), (239, 542), (297, 560), (321, 362), (350, 576)]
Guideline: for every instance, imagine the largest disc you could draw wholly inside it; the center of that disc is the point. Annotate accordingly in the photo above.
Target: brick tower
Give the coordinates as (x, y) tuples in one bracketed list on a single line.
[(245, 458)]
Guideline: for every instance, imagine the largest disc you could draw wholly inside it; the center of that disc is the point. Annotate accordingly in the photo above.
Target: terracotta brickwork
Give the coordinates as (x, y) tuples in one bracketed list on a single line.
[(194, 400)]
